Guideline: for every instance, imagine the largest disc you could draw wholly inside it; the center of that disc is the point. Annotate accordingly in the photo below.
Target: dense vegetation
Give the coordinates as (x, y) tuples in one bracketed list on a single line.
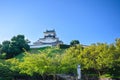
[(15, 46), (100, 59)]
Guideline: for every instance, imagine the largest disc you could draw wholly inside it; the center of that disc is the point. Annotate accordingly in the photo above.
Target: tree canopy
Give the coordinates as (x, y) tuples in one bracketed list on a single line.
[(15, 46), (98, 58), (74, 42)]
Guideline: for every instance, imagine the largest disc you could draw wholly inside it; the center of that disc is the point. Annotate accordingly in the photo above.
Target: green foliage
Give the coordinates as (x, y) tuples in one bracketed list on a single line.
[(47, 61), (3, 56), (14, 47), (74, 42), (106, 76), (5, 72), (69, 59), (98, 59), (20, 56), (0, 45), (5, 47), (20, 42), (38, 50), (50, 51), (63, 46), (34, 63), (0, 48)]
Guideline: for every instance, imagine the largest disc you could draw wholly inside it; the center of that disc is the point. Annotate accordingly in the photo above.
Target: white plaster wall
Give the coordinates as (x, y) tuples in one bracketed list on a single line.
[(38, 46), (48, 40)]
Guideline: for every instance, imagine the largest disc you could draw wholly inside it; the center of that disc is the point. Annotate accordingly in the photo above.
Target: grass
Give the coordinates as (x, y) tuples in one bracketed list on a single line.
[(38, 50), (50, 50), (20, 56)]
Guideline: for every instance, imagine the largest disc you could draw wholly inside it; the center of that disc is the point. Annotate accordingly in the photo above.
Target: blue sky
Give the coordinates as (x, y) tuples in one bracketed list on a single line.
[(88, 21)]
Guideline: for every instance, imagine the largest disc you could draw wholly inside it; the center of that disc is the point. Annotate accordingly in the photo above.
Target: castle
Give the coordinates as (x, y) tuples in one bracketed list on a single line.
[(49, 39)]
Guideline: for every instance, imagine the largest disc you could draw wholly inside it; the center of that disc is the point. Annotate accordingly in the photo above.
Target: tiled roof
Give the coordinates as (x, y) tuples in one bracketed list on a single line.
[(47, 31)]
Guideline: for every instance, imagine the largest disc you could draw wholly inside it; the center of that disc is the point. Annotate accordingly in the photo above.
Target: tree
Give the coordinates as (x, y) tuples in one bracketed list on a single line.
[(14, 47), (5, 72), (74, 42), (35, 64), (115, 70), (0, 45), (0, 48), (6, 48), (20, 42), (97, 57), (69, 59)]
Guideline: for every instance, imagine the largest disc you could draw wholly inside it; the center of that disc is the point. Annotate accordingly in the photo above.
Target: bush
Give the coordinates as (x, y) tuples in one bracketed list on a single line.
[(63, 46)]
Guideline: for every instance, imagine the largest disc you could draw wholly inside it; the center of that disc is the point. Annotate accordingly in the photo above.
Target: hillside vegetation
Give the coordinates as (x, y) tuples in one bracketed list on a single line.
[(96, 60), (51, 51)]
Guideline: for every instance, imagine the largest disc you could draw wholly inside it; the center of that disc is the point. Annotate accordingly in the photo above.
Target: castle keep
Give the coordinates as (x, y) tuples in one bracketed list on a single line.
[(49, 39)]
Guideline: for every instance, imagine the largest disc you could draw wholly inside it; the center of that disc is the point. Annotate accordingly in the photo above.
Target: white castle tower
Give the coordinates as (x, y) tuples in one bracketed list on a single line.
[(49, 39)]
